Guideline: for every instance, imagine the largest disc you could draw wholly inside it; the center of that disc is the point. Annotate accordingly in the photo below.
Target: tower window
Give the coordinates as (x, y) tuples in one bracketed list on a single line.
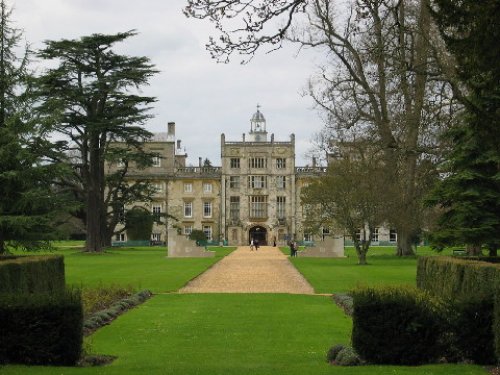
[(281, 163), (234, 182), (257, 163), (235, 162)]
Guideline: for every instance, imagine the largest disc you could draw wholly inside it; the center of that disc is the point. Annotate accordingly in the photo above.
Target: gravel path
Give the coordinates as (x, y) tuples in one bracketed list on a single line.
[(267, 270)]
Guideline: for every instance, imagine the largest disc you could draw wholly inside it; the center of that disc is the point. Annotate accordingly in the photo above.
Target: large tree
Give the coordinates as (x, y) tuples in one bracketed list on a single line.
[(352, 196), (469, 193), (92, 98), (380, 81), (28, 204)]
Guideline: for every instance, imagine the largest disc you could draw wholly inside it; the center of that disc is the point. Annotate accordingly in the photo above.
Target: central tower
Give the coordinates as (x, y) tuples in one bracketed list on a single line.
[(258, 132)]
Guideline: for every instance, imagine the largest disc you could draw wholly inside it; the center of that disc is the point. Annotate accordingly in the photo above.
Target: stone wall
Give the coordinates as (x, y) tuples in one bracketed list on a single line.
[(180, 246)]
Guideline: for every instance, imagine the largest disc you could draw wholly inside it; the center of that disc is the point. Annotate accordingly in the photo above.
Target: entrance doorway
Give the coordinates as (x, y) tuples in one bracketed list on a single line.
[(258, 233)]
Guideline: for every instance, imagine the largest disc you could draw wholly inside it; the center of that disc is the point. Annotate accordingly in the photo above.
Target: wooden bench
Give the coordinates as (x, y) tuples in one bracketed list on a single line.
[(459, 252)]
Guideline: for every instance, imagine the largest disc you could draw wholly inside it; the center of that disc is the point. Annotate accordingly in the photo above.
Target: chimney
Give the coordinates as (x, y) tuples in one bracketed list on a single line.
[(314, 162), (171, 129), (199, 162)]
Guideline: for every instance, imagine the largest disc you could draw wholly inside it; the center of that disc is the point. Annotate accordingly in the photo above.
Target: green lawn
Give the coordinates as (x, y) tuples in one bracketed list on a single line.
[(261, 334), (337, 275), (142, 268)]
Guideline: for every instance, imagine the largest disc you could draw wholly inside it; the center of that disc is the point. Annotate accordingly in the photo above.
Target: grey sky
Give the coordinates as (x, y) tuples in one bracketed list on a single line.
[(204, 98)]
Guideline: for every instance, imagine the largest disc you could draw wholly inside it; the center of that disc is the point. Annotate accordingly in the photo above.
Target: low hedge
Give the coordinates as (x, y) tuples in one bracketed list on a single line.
[(41, 329), (32, 274), (471, 288), (397, 326), (451, 278)]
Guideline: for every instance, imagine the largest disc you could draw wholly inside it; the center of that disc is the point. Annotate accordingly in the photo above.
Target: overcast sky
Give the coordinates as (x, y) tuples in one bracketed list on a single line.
[(202, 97)]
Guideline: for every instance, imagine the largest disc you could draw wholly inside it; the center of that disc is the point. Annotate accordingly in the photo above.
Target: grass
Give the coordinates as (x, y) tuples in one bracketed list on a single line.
[(141, 268), (246, 334), (338, 275)]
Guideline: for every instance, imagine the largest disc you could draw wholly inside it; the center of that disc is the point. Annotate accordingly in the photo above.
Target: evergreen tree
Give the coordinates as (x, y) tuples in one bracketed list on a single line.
[(90, 98), (470, 193), (28, 204)]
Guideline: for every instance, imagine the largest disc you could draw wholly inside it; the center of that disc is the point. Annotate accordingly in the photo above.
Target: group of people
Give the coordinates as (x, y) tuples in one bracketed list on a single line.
[(254, 244)]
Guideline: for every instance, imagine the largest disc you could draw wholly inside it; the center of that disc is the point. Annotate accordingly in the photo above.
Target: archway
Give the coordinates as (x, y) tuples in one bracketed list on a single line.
[(258, 233)]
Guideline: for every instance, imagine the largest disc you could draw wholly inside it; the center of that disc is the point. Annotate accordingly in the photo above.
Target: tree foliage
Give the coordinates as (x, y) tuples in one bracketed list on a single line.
[(91, 99), (28, 204), (353, 195), (381, 80), (469, 193), (139, 224)]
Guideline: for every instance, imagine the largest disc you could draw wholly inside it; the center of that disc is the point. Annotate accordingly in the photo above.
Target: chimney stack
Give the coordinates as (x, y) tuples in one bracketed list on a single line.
[(171, 129), (199, 162), (314, 162)]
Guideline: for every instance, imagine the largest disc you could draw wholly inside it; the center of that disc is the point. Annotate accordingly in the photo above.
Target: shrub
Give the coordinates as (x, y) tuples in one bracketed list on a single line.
[(470, 323), (41, 329), (101, 297), (451, 278), (32, 274), (347, 357), (344, 301), (139, 224), (397, 326), (332, 353)]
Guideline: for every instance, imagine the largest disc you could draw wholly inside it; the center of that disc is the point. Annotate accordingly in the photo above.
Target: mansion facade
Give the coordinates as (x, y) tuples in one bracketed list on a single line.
[(255, 193)]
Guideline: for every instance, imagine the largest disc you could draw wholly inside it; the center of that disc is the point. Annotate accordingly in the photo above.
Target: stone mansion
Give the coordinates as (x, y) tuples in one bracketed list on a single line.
[(255, 193)]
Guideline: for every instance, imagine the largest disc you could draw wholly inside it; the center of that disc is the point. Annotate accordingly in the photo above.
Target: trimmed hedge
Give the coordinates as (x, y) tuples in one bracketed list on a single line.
[(32, 274), (471, 288), (451, 278), (397, 326), (41, 329)]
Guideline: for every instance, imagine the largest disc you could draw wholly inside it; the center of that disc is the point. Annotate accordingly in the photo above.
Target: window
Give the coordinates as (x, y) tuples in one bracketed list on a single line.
[(280, 163), (257, 163), (188, 229), (207, 187), (375, 235), (156, 237), (235, 163), (188, 209), (156, 209), (234, 208), (156, 161), (258, 206), (120, 237), (234, 182), (207, 229), (393, 235), (257, 182), (207, 209), (188, 187), (234, 235), (358, 234), (158, 186), (281, 207), (280, 182)]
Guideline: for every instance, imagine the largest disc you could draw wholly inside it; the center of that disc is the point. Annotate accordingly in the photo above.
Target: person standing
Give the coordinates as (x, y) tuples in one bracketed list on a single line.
[(251, 244), (256, 244)]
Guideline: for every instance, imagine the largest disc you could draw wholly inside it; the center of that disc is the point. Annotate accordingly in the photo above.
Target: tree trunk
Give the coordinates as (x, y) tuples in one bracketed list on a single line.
[(94, 205), (404, 247), (2, 245)]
